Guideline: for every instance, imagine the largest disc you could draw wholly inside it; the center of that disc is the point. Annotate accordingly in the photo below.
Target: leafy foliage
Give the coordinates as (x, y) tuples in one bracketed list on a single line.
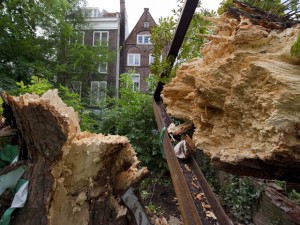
[(87, 121), (239, 196), (77, 62), (40, 85), (295, 50), (208, 171), (70, 98), (131, 115), (42, 38), (29, 33), (37, 86), (161, 37), (274, 221), (295, 196), (224, 5)]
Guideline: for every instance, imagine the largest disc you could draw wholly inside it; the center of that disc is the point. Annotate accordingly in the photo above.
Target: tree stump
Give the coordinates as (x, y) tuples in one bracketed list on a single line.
[(74, 177)]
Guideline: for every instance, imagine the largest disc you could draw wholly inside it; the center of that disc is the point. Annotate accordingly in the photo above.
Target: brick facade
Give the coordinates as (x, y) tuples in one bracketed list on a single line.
[(142, 29), (107, 22)]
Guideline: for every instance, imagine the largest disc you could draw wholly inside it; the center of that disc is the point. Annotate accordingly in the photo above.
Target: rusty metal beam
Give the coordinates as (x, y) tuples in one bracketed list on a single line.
[(223, 219), (188, 210), (182, 27)]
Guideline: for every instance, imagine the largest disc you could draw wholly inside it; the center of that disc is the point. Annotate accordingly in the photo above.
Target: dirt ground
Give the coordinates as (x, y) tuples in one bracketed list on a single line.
[(159, 198)]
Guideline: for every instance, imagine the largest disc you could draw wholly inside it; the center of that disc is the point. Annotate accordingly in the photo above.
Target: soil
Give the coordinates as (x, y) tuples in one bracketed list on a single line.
[(159, 198)]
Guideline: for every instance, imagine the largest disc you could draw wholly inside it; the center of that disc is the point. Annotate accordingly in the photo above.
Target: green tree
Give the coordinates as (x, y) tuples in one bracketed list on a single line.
[(162, 35), (26, 34), (43, 38)]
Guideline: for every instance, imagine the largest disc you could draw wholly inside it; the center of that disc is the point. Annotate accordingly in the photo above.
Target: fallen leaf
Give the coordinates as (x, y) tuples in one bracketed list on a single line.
[(199, 196), (205, 206), (212, 215)]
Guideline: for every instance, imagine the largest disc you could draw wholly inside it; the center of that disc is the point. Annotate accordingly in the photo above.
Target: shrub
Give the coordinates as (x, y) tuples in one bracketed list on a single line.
[(131, 115)]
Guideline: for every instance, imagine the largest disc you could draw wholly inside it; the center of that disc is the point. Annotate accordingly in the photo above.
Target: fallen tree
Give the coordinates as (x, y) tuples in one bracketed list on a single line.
[(74, 177), (243, 96)]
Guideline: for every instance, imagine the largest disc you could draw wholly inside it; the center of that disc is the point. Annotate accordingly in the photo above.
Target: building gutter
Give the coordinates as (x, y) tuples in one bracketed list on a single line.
[(118, 60)]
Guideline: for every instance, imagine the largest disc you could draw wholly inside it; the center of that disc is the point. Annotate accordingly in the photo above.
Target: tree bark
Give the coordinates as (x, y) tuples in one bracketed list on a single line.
[(74, 177)]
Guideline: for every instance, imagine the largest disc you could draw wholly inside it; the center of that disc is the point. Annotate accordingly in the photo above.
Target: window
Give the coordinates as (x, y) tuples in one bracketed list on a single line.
[(98, 91), (146, 24), (143, 39), (135, 82), (133, 59), (151, 59), (100, 37), (94, 13), (102, 68)]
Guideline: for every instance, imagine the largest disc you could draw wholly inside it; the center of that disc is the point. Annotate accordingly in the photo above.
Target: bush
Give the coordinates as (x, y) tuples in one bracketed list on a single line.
[(131, 115), (240, 196)]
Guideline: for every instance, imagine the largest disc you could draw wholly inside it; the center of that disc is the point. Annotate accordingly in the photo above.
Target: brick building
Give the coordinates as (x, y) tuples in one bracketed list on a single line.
[(137, 52), (110, 29)]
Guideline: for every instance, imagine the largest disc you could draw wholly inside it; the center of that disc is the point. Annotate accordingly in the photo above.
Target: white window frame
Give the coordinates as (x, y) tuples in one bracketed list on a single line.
[(136, 79), (94, 13), (146, 24), (103, 65), (144, 38), (151, 59), (99, 93), (100, 37), (133, 59)]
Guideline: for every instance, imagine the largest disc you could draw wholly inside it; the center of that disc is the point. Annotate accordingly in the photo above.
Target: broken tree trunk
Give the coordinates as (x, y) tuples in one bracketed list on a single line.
[(243, 98), (74, 177)]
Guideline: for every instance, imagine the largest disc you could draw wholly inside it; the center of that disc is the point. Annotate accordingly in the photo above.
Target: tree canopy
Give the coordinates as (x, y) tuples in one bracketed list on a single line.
[(43, 38), (162, 35)]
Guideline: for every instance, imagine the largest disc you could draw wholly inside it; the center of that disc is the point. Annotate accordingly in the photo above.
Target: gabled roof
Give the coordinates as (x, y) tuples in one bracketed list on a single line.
[(139, 27), (94, 12)]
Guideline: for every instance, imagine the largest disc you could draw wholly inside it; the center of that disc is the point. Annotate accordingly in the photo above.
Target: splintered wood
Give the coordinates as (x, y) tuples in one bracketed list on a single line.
[(243, 98), (75, 177)]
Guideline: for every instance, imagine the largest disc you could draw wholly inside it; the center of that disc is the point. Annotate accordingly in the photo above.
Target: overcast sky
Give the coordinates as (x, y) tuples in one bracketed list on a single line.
[(135, 8)]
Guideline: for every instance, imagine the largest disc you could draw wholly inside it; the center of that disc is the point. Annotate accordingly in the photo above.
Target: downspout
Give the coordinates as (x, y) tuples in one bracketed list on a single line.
[(118, 58)]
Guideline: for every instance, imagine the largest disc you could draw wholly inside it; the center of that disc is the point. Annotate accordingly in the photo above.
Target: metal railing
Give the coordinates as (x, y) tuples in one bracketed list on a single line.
[(197, 202)]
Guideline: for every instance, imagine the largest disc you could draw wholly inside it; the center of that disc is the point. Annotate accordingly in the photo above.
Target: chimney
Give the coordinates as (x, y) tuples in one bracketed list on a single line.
[(122, 21)]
